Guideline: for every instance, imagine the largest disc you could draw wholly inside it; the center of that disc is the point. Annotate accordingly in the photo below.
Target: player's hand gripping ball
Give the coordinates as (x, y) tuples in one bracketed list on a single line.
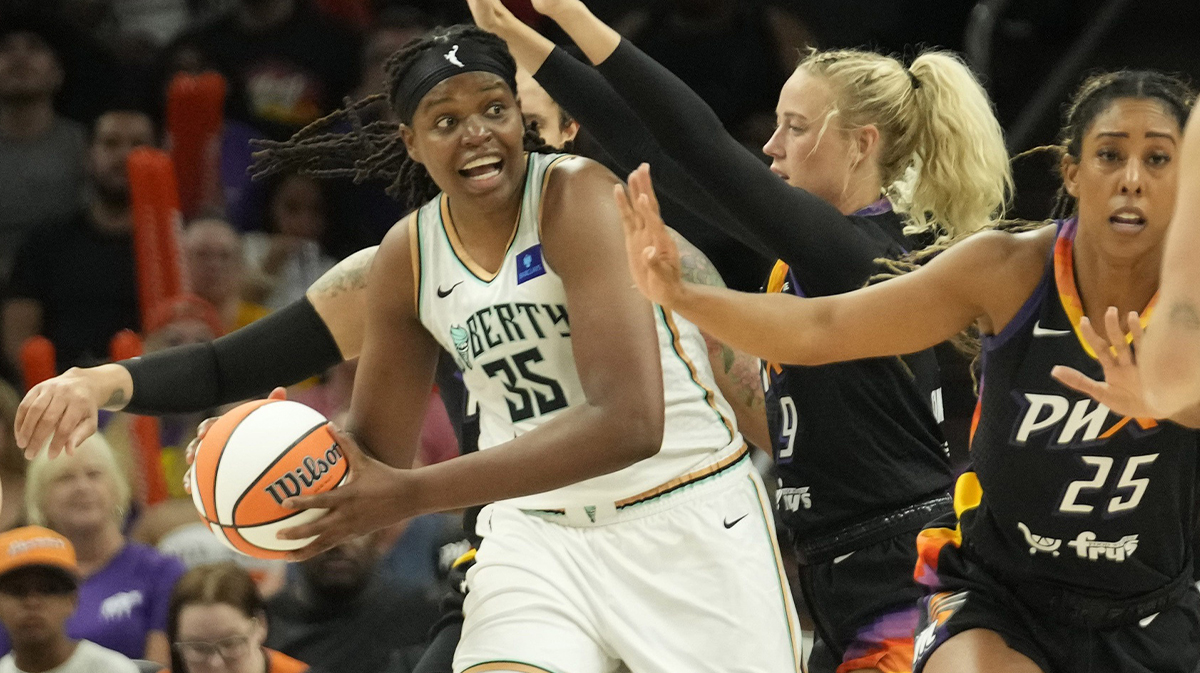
[(251, 461)]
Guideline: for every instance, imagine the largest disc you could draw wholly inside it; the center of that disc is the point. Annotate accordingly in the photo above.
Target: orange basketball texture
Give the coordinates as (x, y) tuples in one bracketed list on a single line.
[(254, 458)]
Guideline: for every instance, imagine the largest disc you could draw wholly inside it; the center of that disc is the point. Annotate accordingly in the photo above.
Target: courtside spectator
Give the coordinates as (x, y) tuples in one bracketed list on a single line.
[(218, 623), (126, 587), (287, 63), (39, 589), (12, 462), (216, 267), (74, 281), (290, 255), (41, 152), (339, 614)]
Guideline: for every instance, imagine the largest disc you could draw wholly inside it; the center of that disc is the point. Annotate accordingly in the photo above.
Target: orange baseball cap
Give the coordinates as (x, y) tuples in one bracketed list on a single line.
[(34, 546)]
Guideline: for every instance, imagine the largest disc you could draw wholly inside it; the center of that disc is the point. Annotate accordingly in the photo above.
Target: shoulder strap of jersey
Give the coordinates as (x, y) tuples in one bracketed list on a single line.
[(414, 247)]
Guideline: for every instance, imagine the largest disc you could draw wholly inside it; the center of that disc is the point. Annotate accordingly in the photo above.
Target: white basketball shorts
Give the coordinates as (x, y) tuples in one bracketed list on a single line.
[(689, 581)]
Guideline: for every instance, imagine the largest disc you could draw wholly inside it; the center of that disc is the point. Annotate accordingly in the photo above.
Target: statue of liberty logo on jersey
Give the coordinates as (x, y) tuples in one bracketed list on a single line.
[(461, 339)]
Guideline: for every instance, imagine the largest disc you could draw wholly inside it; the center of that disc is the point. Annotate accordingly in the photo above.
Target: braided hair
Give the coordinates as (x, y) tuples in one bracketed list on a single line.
[(372, 148)]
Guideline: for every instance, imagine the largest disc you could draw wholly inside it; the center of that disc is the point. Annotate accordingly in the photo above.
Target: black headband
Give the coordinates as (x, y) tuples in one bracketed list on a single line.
[(441, 63)]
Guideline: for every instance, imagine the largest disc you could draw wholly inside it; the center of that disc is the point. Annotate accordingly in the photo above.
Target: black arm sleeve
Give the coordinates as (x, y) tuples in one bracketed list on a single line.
[(828, 251), (601, 112), (281, 349)]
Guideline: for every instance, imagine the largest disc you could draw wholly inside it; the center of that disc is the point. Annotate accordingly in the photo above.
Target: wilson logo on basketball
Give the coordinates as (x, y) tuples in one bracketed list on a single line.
[(311, 471)]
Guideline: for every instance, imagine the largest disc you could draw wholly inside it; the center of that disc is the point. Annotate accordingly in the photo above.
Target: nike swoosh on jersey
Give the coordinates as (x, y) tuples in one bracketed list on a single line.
[(843, 557), (1039, 331), (442, 294), (731, 524)]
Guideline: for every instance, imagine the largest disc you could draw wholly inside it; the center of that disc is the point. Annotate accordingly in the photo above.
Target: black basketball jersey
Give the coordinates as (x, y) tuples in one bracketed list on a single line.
[(856, 439), (1063, 490)]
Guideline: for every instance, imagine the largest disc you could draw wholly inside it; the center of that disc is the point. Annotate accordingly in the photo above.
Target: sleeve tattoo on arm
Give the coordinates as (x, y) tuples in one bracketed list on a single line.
[(349, 275), (742, 369)]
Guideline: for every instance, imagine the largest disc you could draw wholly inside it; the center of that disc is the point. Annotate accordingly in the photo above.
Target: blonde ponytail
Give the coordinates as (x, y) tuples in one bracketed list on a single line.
[(963, 175), (942, 158)]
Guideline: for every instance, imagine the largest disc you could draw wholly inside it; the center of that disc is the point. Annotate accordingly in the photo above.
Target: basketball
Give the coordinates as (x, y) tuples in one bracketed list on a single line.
[(253, 459)]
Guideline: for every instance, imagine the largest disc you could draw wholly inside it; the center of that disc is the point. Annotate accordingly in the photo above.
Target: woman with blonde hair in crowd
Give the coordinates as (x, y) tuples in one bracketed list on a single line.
[(125, 586), (871, 158), (218, 622)]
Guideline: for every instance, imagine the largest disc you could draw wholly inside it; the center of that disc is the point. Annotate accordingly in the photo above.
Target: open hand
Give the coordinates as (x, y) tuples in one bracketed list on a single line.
[(653, 256), (374, 496), (63, 411), (1121, 390)]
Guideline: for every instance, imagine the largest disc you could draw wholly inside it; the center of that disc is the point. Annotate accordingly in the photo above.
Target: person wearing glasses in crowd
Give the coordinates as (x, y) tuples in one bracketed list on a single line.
[(39, 590), (218, 622)]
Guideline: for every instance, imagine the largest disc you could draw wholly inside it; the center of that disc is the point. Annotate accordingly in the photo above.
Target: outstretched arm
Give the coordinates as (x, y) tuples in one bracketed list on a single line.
[(600, 110), (827, 252), (288, 346), (1170, 356), (978, 280)]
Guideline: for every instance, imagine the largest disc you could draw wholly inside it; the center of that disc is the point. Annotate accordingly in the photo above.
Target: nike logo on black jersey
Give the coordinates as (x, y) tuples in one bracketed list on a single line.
[(731, 524), (442, 294), (1039, 331)]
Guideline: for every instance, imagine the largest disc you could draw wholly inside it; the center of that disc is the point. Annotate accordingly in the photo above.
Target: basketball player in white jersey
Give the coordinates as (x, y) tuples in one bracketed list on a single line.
[(628, 527)]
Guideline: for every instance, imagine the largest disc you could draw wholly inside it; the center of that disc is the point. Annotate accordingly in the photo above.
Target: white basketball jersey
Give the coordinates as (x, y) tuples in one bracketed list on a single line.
[(510, 333)]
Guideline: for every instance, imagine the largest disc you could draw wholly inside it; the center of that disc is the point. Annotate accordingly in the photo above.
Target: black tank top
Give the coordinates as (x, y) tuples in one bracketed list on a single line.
[(854, 440), (1069, 492)]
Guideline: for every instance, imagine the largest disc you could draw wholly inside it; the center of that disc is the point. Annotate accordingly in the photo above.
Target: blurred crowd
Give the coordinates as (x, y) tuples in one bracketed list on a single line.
[(87, 562), (83, 83)]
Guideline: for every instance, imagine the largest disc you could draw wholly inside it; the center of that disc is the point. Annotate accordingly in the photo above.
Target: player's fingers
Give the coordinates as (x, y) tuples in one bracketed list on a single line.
[(329, 523), (28, 414), (327, 500), (1116, 336), (23, 413), (63, 432), (205, 425), (648, 188), (1135, 330), (1099, 345), (187, 480), (280, 393), (348, 445), (1078, 381), (83, 430), (625, 209), (45, 426), (318, 546)]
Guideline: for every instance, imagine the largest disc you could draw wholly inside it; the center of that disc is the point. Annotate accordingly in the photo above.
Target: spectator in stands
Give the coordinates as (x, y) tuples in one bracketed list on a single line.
[(74, 281), (218, 622), (41, 152), (338, 614), (39, 589), (12, 463), (126, 587), (287, 63), (290, 255), (215, 266)]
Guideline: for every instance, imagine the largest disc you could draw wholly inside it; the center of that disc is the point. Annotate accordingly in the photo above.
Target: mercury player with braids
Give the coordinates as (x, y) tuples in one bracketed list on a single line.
[(629, 528), (870, 158), (1070, 549)]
